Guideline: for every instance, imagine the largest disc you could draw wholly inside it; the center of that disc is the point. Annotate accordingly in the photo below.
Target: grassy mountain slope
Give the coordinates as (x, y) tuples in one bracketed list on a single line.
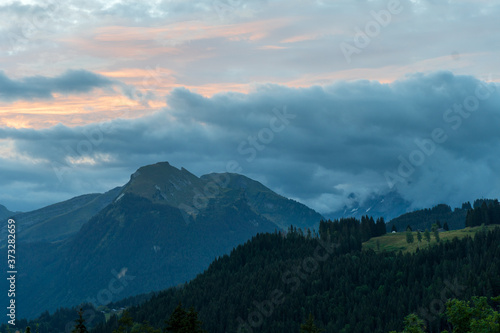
[(278, 209), (397, 241), (64, 225), (61, 220)]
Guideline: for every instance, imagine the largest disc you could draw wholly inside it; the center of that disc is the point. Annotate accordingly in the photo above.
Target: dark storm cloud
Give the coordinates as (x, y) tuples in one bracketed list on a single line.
[(315, 144), (41, 87)]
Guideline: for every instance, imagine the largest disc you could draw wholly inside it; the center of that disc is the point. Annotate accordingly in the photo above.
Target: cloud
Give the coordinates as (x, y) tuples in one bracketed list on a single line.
[(345, 136), (40, 87), (314, 144)]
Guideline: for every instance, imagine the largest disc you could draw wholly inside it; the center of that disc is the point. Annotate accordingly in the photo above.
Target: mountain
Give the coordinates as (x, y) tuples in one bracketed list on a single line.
[(388, 205), (58, 221), (163, 184), (5, 213), (278, 209), (164, 227)]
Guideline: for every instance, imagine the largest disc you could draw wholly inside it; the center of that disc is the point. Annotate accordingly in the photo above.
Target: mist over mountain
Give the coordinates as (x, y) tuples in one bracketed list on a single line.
[(388, 206)]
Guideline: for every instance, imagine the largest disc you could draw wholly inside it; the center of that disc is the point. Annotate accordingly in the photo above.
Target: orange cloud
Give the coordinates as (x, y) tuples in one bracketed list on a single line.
[(300, 38), (107, 105), (73, 111), (272, 47), (188, 30), (140, 43)]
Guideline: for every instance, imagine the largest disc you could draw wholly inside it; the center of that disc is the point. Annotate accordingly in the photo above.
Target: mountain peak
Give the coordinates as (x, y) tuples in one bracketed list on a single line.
[(162, 183), (160, 167), (160, 170)]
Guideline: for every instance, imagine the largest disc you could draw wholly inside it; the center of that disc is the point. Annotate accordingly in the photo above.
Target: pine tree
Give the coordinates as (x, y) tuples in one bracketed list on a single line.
[(182, 321), (468, 219), (427, 236), (380, 226), (409, 237), (191, 323), (309, 326), (445, 226), (126, 322), (435, 231), (175, 322), (80, 326)]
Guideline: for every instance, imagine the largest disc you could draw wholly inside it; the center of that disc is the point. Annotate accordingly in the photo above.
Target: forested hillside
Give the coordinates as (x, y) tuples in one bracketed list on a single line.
[(423, 219), (274, 281), (485, 212)]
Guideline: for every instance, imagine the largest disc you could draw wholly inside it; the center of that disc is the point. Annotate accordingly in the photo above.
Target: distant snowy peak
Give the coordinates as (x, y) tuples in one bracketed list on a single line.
[(388, 206)]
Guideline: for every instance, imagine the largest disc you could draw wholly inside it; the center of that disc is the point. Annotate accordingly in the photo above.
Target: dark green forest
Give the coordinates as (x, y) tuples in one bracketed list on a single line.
[(273, 282), (424, 218), (276, 281), (485, 212), (466, 216)]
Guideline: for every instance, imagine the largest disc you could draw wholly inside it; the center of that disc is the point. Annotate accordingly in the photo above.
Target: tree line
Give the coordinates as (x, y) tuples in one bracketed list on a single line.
[(342, 293), (484, 212)]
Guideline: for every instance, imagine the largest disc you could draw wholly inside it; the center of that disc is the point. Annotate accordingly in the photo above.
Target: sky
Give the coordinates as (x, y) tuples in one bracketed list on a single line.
[(317, 100)]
